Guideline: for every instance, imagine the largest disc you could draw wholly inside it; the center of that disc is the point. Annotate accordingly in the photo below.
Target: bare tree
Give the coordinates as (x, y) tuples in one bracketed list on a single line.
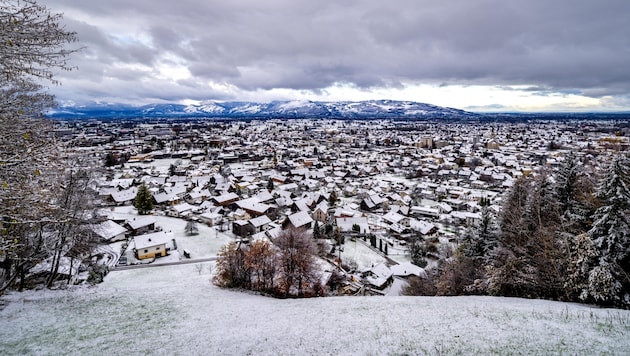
[(70, 234), (298, 270), (262, 260), (32, 46), (231, 271)]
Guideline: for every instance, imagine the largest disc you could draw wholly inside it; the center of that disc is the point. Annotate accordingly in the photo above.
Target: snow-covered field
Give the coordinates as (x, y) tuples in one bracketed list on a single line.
[(175, 310)]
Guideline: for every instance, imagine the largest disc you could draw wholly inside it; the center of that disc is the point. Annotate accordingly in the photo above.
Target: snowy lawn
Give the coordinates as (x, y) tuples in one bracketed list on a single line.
[(174, 310), (205, 244)]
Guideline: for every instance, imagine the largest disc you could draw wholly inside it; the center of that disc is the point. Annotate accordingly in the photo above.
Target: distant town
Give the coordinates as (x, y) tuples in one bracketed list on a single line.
[(381, 182)]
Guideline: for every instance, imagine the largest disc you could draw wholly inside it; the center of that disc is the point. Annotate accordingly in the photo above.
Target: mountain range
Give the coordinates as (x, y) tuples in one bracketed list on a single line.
[(372, 109)]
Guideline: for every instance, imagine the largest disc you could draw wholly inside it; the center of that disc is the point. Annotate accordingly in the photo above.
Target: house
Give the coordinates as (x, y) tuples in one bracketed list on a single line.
[(180, 210), (289, 187), (465, 217), (110, 231), (242, 228), (225, 199), (406, 269), (378, 277), (141, 225), (423, 227), (425, 211), (124, 197), (253, 207), (393, 217), (151, 245), (321, 212), (260, 223), (210, 218), (165, 198), (298, 220), (372, 202)]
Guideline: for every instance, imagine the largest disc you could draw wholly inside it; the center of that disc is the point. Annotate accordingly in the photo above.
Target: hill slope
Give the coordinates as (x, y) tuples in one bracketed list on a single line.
[(176, 310), (277, 109)]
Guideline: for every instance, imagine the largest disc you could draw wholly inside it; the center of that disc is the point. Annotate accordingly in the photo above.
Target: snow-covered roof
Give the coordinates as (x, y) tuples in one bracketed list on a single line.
[(260, 221), (125, 195), (421, 226), (300, 219), (393, 217), (225, 197), (139, 222), (164, 197), (152, 240), (252, 204), (407, 269), (108, 229)]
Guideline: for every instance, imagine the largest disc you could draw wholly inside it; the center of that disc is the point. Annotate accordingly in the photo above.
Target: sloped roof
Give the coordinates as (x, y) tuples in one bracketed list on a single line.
[(421, 226), (260, 221), (125, 195), (151, 240), (300, 219), (108, 229), (252, 204), (225, 197), (407, 269), (139, 222)]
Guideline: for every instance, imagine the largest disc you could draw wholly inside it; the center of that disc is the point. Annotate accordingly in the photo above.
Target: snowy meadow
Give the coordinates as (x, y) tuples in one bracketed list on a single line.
[(175, 310)]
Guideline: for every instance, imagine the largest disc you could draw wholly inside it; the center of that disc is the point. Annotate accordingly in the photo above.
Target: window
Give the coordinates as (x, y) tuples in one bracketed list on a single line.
[(145, 251), (157, 248)]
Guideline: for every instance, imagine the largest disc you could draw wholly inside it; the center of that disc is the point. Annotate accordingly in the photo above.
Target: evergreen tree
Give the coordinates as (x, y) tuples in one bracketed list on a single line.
[(144, 200), (572, 190), (417, 251), (513, 229), (609, 281), (332, 199), (582, 258), (480, 241), (110, 160), (317, 234), (191, 228)]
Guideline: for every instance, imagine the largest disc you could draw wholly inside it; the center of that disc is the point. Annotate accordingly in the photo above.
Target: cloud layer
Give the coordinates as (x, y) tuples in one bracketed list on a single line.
[(145, 50)]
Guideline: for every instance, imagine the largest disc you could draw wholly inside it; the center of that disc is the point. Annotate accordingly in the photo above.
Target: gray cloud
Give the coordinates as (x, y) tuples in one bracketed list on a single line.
[(578, 46)]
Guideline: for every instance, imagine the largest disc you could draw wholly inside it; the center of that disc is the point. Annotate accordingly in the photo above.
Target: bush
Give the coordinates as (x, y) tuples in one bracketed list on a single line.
[(97, 273)]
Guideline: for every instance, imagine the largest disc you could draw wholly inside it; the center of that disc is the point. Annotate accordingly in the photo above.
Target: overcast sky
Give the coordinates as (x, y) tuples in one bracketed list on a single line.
[(480, 55)]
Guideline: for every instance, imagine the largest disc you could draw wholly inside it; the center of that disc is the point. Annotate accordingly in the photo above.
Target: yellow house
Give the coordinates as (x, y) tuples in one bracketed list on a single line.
[(151, 245)]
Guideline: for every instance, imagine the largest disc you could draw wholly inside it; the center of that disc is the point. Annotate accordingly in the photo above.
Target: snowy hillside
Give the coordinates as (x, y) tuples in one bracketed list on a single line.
[(277, 109), (176, 310)]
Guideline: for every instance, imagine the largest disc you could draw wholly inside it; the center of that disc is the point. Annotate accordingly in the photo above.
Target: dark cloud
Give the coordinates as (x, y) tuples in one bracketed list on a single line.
[(579, 46)]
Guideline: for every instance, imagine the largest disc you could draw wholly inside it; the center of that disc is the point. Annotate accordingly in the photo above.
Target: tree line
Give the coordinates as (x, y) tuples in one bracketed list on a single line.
[(561, 234)]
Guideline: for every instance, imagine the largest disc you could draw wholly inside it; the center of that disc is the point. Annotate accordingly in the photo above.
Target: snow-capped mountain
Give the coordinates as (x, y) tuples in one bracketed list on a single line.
[(372, 109)]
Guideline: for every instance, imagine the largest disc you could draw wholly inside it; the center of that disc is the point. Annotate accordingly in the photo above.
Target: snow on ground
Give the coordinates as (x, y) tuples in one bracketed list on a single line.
[(176, 310), (361, 254), (205, 244)]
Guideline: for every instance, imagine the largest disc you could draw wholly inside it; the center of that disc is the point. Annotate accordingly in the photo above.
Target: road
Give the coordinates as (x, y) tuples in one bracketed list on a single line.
[(147, 265)]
